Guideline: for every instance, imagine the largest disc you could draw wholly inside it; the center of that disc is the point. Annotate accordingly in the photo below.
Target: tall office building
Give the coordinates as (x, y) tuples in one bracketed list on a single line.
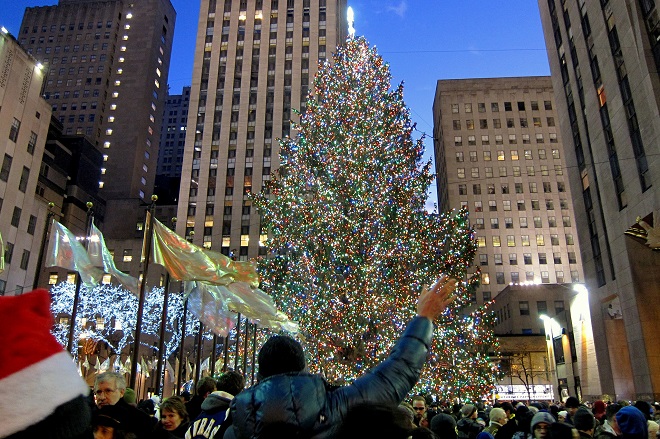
[(107, 64), (498, 153), (604, 57), (24, 121), (173, 134), (254, 64)]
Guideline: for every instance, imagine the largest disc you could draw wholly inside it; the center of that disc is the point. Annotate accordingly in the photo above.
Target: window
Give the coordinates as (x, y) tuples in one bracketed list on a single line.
[(516, 171), (543, 260), (571, 258), (454, 108), (13, 131), (476, 189), (478, 207), (25, 175), (525, 240), (537, 222), (494, 223), (506, 205), (483, 124), (521, 205), (475, 173), (32, 224), (468, 108), (487, 156), (523, 222), (513, 258), (527, 259), (481, 241), (559, 275), (485, 279), (556, 257), (458, 141), (505, 188), (559, 306), (483, 259), (486, 296), (9, 251), (561, 186), (492, 206), (508, 223), (460, 172), (32, 143), (524, 307), (552, 221), (16, 216), (566, 220), (512, 139), (498, 259), (554, 239), (523, 122), (547, 105), (499, 277), (549, 205), (496, 241), (507, 106), (536, 205), (473, 156), (569, 239), (127, 255), (479, 223), (497, 124), (494, 107), (540, 240), (52, 278), (484, 140), (25, 259), (532, 187), (510, 241), (462, 189), (489, 172), (6, 167), (500, 155), (457, 124), (459, 157)]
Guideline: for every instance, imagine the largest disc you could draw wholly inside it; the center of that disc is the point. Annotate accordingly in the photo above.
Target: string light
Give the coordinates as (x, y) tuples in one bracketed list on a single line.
[(351, 242)]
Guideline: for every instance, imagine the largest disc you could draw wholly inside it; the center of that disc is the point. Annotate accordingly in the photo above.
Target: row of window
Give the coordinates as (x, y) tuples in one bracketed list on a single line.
[(500, 155), (527, 258), (497, 123), (65, 59), (508, 222), (499, 139), (519, 188), (524, 240), (495, 106), (530, 276), (504, 171), (63, 27)]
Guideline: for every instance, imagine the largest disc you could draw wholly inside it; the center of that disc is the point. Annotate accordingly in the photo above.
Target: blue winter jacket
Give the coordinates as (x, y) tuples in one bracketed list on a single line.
[(303, 405)]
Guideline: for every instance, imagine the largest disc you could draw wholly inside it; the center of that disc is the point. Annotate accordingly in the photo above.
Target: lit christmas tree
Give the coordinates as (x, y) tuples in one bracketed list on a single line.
[(351, 242)]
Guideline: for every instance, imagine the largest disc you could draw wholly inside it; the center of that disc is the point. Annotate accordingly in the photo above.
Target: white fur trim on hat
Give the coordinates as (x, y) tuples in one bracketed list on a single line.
[(34, 392)]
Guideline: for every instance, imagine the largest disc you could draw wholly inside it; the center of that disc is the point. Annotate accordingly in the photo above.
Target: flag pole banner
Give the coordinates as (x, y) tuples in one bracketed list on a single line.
[(64, 250)]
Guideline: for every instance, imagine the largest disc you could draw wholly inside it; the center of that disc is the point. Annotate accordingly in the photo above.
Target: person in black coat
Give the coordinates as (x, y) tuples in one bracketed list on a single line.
[(289, 402)]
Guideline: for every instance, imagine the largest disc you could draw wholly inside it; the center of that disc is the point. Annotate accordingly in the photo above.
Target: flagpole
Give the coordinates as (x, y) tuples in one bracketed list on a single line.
[(161, 341), (225, 353), (215, 344), (44, 241), (198, 360), (238, 339), (245, 346), (148, 235), (182, 345), (254, 351), (76, 297)]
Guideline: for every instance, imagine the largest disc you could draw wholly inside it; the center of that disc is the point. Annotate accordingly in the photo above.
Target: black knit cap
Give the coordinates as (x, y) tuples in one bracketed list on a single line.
[(280, 354)]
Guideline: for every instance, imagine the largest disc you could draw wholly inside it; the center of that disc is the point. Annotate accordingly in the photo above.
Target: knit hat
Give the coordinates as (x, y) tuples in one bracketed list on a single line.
[(40, 389), (645, 408), (280, 354), (129, 396), (632, 423), (467, 410), (111, 416), (572, 402), (584, 420), (444, 426), (563, 414), (541, 417)]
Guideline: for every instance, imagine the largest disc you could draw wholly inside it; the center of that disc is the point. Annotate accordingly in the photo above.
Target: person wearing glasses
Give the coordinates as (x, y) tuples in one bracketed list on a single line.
[(541, 422), (419, 407), (109, 389)]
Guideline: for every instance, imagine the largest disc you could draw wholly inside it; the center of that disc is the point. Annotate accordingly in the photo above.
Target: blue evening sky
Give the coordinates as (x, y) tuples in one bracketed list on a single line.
[(422, 40)]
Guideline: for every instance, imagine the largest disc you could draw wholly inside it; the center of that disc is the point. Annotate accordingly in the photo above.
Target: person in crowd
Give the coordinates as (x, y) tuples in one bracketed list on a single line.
[(129, 397), (407, 409), (444, 426), (609, 429), (173, 419), (632, 423), (540, 425), (419, 407), (368, 420), (110, 422), (507, 430), (498, 418), (562, 430), (204, 388), (585, 422), (287, 399), (571, 405), (427, 417), (648, 410), (41, 392), (109, 389), (523, 420), (468, 427), (562, 415), (422, 433), (599, 411), (147, 406)]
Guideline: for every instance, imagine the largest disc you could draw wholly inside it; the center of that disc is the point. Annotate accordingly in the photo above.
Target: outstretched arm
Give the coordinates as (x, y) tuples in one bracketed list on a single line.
[(433, 301)]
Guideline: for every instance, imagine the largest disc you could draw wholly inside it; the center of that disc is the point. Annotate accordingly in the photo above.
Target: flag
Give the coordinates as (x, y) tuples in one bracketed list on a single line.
[(177, 366), (65, 251), (205, 364), (170, 370), (86, 363), (143, 366), (97, 365), (2, 255), (100, 256), (186, 261), (189, 370), (105, 365)]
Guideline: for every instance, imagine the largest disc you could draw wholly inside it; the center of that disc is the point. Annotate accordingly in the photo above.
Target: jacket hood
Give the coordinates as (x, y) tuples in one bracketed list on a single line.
[(218, 400)]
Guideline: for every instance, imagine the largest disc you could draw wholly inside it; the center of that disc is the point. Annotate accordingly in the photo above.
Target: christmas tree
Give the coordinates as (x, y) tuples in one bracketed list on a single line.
[(350, 241)]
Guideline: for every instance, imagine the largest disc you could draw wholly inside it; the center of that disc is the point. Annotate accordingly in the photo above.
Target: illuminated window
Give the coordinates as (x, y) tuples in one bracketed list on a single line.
[(106, 279), (127, 255), (52, 278), (71, 278)]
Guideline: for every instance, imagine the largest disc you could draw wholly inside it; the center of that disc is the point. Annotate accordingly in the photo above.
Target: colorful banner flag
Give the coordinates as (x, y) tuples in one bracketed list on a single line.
[(100, 256), (170, 370), (65, 251), (144, 368)]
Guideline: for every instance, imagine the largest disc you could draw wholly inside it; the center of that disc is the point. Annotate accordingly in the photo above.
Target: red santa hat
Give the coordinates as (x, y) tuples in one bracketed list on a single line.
[(39, 383)]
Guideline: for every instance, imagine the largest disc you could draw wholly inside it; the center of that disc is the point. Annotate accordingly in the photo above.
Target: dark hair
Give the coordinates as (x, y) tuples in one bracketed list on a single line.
[(560, 430), (148, 406), (611, 410), (231, 382), (422, 433), (280, 354), (645, 408), (375, 420), (205, 385), (175, 404), (572, 402)]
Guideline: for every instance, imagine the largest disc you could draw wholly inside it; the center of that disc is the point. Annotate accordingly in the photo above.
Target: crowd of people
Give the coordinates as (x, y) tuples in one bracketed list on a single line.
[(43, 396)]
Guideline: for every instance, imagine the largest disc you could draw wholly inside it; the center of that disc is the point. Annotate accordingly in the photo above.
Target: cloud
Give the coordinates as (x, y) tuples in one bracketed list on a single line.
[(399, 9)]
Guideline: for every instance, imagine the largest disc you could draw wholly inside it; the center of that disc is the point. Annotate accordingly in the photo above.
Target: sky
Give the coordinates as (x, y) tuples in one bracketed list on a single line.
[(422, 40)]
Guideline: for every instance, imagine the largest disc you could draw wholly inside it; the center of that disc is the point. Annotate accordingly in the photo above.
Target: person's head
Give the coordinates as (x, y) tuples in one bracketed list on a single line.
[(110, 422), (375, 420), (540, 424), (632, 423), (571, 404), (231, 382), (130, 397), (562, 415), (280, 354), (561, 430), (469, 411), (584, 420), (645, 408), (422, 433), (599, 408), (508, 408), (427, 417), (109, 388), (173, 413), (610, 417), (419, 406), (498, 415), (444, 426), (148, 406), (205, 386)]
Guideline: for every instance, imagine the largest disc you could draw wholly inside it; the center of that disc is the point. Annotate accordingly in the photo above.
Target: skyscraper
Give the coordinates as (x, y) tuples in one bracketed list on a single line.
[(604, 57), (107, 64), (498, 153), (254, 65)]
